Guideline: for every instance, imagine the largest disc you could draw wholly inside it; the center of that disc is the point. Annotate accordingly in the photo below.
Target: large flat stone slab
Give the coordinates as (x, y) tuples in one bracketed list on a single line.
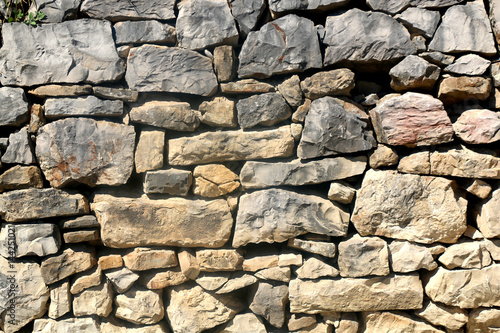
[(283, 6), (82, 106), (118, 10)]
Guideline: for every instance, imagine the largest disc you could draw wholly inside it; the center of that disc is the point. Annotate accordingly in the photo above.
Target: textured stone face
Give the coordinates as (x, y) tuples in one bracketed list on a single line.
[(281, 6), (487, 216), (178, 222), (245, 323), (225, 63), (275, 215), (265, 109), (171, 181), (247, 13), (142, 259), (408, 257), (332, 83), (218, 112), (465, 163), (72, 260), (470, 64), (141, 307), (462, 88), (288, 44), (363, 256), (420, 21), (314, 268), (219, 260), (422, 209), (14, 107), (39, 239), (115, 10), (133, 32), (450, 317), (213, 180), (96, 300), (176, 116), (483, 320), (60, 299), (86, 151), (21, 177), (478, 126), (121, 279), (82, 106), (69, 52), (20, 148), (57, 11), (89, 325), (396, 322), (149, 150), (466, 255), (414, 73), (269, 301)]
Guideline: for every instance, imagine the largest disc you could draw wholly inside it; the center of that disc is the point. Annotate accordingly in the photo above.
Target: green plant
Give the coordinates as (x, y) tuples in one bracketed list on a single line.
[(19, 11)]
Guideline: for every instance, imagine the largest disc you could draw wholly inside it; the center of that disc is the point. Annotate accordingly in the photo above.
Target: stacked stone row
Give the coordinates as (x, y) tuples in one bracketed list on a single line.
[(250, 166)]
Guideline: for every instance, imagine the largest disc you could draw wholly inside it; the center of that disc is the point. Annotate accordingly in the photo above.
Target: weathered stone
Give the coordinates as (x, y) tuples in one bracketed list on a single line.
[(151, 31), (39, 239), (149, 150), (188, 263), (247, 86), (349, 323), (470, 64), (56, 11), (219, 260), (21, 285), (396, 322), (60, 299), (122, 279), (278, 7), (96, 300), (478, 126), (465, 288), (276, 215), (323, 248), (225, 63), (110, 261), (383, 156), (476, 35), (82, 106), (176, 116), (366, 38), (247, 13), (72, 260), (218, 112), (318, 328), (450, 317), (473, 233), (483, 320), (157, 68), (37, 118), (407, 257), (230, 146), (85, 151), (171, 181), (14, 111), (125, 95), (389, 6), (434, 3), (420, 21), (487, 216), (259, 262), (79, 236), (341, 192), (116, 10), (332, 130), (266, 174), (239, 281), (314, 268), (393, 292), (21, 177), (289, 259), (282, 274), (178, 222), (212, 280), (54, 90), (86, 221), (269, 300), (86, 279), (213, 180), (192, 310), (159, 279), (20, 148), (141, 259), (244, 323), (264, 109), (362, 256), (414, 73), (31, 204), (291, 91), (298, 321), (69, 52), (87, 325), (337, 82), (438, 58), (286, 45), (411, 120), (113, 325), (422, 209)]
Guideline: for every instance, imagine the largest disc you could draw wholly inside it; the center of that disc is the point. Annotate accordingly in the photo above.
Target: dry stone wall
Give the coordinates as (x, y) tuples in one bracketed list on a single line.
[(251, 166)]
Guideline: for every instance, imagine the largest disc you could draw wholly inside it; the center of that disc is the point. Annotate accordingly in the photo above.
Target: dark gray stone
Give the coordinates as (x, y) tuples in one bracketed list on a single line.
[(265, 109), (40, 239), (118, 10), (331, 130), (82, 106), (414, 73), (134, 32), (20, 148), (57, 11), (388, 6), (420, 21), (247, 13), (283, 6), (438, 58), (172, 181), (125, 95), (434, 3), (14, 107)]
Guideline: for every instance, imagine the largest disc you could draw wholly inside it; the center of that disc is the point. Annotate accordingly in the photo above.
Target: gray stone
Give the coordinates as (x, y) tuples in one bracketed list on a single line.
[(408, 257), (149, 150), (117, 10), (82, 106), (434, 3), (365, 38), (151, 31), (269, 301), (470, 64), (325, 249), (285, 215), (420, 21), (141, 307), (332, 130), (21, 177), (291, 91), (389, 6), (56, 11), (30, 204), (475, 31), (60, 299), (422, 209), (125, 95), (218, 112), (55, 90), (39, 239), (171, 181), (14, 110), (414, 73), (288, 44), (225, 63), (69, 52), (122, 279), (96, 300), (264, 109), (72, 260), (85, 151), (363, 256), (266, 174), (478, 126), (20, 148), (87, 221), (438, 58), (87, 325), (247, 13), (419, 42), (157, 68), (283, 6), (332, 83)]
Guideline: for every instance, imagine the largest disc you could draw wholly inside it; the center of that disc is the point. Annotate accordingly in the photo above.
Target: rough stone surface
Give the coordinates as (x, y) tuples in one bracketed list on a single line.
[(325, 249), (259, 262), (171, 181), (212, 281), (188, 263), (82, 106), (291, 91), (363, 256), (20, 148), (88, 325), (465, 163), (14, 110), (470, 64), (483, 320), (176, 116), (142, 307), (462, 88), (247, 86), (422, 209), (244, 323), (86, 221), (141, 259), (60, 299), (219, 260), (80, 236), (420, 21), (269, 300), (225, 63), (125, 95), (478, 187), (396, 322), (408, 257), (337, 82), (159, 279), (238, 281), (282, 274), (414, 73), (487, 216), (110, 261), (96, 300), (213, 180), (478, 126), (41, 239), (389, 6), (383, 156), (149, 150), (21, 177), (69, 52), (133, 32), (54, 90), (267, 215), (438, 58), (341, 192), (56, 11), (115, 10), (72, 260), (265, 109), (450, 317), (86, 279), (314, 268), (218, 112), (247, 13), (121, 279)]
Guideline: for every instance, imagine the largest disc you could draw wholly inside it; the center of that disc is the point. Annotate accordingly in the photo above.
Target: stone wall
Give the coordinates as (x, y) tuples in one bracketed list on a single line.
[(251, 166)]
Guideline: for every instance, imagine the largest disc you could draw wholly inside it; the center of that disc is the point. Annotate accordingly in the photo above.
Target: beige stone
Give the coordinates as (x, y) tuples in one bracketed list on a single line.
[(417, 163), (159, 279), (141, 307), (290, 259), (86, 279), (291, 91), (458, 89), (330, 83), (478, 187), (113, 325), (348, 323), (282, 274), (225, 63), (314, 268), (80, 236), (212, 280), (260, 262), (487, 216), (362, 256), (409, 257), (96, 300), (482, 320), (21, 177), (170, 115), (383, 156), (392, 322), (452, 318), (341, 192), (478, 126), (142, 258), (466, 255), (219, 260), (60, 299), (493, 247), (110, 261), (54, 90), (473, 233), (325, 249), (298, 321), (269, 300), (247, 86), (317, 328), (87, 325), (188, 264), (239, 281), (149, 150), (72, 260), (244, 323), (465, 163), (218, 113), (213, 180), (300, 115)]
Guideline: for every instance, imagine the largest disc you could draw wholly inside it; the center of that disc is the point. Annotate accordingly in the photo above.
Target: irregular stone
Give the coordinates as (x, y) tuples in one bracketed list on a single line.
[(40, 239), (113, 325), (80, 236), (139, 306), (470, 64), (96, 300), (21, 177), (260, 262), (465, 288), (437, 314), (383, 156), (151, 31), (487, 215), (23, 294), (56, 11), (82, 106), (72, 260), (476, 35), (264, 109), (366, 38), (126, 222), (314, 268), (225, 146), (192, 310), (149, 150), (413, 213), (125, 95), (244, 323), (37, 118), (171, 181), (269, 301), (31, 204), (348, 323), (85, 151), (438, 58), (479, 188), (219, 260), (88, 325), (110, 261), (142, 258), (266, 174), (116, 10), (282, 274), (318, 328), (20, 148), (176, 116), (54, 90), (278, 7), (237, 282), (389, 6), (289, 259), (411, 120), (213, 180), (218, 112), (341, 192), (330, 129), (483, 320), (407, 257), (188, 264), (159, 279), (495, 73), (478, 126), (414, 73), (291, 91), (298, 321), (473, 233), (393, 292), (225, 63), (86, 279), (157, 68), (69, 52), (420, 21), (284, 215), (122, 279), (337, 82), (396, 322), (247, 13), (434, 3), (362, 256), (212, 280), (325, 249), (60, 299), (247, 86), (15, 109), (286, 45)]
